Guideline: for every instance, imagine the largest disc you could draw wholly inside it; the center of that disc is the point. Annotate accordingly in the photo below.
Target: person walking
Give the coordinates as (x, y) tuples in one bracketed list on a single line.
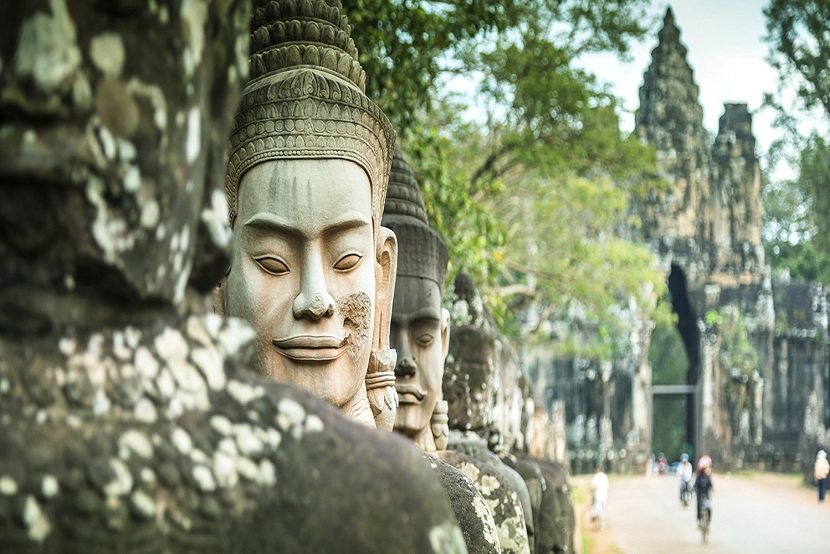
[(599, 495), (820, 470)]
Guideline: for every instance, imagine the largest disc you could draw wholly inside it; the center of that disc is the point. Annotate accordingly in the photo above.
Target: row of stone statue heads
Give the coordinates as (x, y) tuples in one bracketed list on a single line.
[(129, 417)]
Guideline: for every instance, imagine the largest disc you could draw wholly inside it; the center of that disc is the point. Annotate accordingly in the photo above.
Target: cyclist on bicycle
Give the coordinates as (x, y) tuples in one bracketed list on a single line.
[(684, 471), (703, 485)]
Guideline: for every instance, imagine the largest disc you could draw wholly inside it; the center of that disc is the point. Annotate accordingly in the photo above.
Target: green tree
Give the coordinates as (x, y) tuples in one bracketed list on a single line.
[(527, 176), (798, 210)]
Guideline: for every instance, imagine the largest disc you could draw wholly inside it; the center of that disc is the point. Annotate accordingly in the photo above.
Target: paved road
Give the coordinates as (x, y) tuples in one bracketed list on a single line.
[(765, 514)]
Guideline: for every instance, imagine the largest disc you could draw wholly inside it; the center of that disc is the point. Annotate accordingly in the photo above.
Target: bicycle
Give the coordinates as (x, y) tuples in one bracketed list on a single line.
[(685, 493), (705, 518), (594, 516)]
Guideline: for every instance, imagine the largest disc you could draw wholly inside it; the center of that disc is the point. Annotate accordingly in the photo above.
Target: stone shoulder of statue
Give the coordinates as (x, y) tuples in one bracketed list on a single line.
[(153, 438), (505, 505)]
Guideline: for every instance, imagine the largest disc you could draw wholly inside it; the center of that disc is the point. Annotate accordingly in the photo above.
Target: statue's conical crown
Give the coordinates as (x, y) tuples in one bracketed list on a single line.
[(305, 97), (421, 252)]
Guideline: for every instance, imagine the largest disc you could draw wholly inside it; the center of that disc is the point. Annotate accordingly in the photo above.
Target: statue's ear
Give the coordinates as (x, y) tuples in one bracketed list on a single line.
[(385, 267), (445, 333)]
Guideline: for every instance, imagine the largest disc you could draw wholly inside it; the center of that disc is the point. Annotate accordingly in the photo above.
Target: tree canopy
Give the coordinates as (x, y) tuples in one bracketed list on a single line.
[(518, 151), (798, 209)]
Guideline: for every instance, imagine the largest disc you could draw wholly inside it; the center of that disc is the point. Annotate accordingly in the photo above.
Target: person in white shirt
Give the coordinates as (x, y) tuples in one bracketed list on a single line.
[(599, 494), (684, 471)]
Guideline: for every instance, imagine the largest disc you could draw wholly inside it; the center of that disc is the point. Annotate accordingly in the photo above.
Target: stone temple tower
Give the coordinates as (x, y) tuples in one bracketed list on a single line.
[(709, 219)]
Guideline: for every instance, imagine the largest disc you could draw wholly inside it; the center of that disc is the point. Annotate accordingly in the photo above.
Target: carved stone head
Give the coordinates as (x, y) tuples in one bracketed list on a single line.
[(471, 372), (311, 268), (420, 326)]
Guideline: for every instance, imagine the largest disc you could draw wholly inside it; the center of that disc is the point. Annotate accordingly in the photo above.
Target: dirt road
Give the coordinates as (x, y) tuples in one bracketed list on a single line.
[(759, 514)]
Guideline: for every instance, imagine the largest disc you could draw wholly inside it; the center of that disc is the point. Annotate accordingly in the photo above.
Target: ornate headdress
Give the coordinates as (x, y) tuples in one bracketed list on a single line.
[(421, 252), (306, 97)]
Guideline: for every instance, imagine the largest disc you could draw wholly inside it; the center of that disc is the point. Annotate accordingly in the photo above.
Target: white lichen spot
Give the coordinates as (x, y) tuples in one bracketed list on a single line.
[(132, 336), (187, 377), (123, 482), (486, 518), (155, 96), (224, 468), (273, 438), (236, 334), (193, 14), (143, 504), (293, 412), (447, 539), (147, 476), (47, 51), (4, 385), (243, 392), (199, 456), (209, 362), (313, 424), (197, 332), (107, 53), (248, 469), (488, 484), (146, 363), (181, 440), (171, 345), (267, 473), (67, 346), (213, 324), (150, 214), (38, 527), (228, 446), (100, 403), (194, 134), (165, 383), (132, 179), (69, 282), (8, 486), (215, 219), (135, 442), (247, 442), (49, 486), (470, 471), (145, 411), (221, 424)]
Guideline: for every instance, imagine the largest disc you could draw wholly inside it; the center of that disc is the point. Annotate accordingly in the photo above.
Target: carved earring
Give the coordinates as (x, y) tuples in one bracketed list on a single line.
[(439, 425)]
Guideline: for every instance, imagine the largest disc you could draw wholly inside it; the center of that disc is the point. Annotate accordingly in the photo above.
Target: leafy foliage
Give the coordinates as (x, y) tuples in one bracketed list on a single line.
[(798, 210), (525, 175)]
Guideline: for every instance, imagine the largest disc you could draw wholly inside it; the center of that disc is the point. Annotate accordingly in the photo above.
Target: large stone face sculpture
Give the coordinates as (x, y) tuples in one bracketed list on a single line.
[(420, 335), (420, 329), (127, 423), (312, 269), (472, 390)]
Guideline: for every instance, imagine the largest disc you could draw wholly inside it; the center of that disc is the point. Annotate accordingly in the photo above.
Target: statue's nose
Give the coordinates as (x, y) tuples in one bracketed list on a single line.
[(405, 366), (313, 301)]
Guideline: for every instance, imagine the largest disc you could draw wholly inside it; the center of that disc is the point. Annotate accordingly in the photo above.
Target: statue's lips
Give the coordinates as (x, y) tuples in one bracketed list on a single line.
[(309, 348), (409, 394)]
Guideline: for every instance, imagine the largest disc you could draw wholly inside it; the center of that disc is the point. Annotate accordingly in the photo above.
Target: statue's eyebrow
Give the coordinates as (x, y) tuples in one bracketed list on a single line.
[(269, 222), (425, 313)]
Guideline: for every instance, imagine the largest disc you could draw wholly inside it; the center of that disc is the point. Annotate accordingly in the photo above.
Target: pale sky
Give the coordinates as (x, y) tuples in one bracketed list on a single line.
[(725, 50)]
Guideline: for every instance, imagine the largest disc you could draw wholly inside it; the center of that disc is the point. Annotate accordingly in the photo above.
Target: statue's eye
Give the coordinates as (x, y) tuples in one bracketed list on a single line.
[(273, 266), (425, 339), (347, 262)]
